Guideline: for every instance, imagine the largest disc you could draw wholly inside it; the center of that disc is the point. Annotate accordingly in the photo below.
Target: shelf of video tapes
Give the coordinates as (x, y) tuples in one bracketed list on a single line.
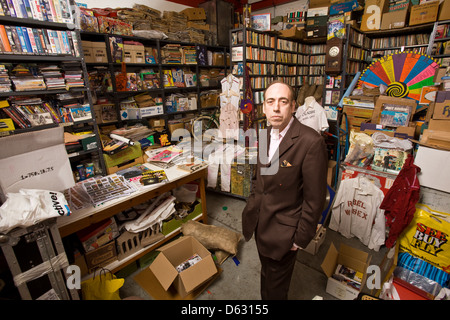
[(44, 81)]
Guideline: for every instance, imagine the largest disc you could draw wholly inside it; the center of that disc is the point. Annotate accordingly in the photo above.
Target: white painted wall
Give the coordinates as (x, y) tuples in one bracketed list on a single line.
[(160, 5)]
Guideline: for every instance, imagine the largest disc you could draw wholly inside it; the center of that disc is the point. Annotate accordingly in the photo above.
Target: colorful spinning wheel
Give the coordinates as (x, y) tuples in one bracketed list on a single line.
[(404, 74)]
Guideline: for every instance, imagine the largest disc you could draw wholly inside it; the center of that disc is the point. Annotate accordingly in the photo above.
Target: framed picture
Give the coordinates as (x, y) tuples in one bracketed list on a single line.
[(261, 22)]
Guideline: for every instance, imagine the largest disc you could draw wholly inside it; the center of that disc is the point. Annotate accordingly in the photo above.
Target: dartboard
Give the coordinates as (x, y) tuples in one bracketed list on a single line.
[(403, 73)]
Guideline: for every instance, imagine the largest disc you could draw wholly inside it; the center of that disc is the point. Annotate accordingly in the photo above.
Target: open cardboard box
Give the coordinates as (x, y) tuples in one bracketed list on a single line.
[(382, 100), (350, 257), (173, 254)]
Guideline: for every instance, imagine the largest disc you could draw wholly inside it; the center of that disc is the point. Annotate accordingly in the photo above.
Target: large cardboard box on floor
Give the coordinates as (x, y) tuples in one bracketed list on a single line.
[(349, 257), (176, 253)]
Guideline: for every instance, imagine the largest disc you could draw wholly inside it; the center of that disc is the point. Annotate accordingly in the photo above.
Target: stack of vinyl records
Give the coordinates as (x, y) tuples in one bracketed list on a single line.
[(5, 82), (26, 79), (73, 75), (53, 77)]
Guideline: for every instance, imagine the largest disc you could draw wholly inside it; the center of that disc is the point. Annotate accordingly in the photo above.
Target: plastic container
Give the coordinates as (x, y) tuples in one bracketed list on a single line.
[(186, 193)]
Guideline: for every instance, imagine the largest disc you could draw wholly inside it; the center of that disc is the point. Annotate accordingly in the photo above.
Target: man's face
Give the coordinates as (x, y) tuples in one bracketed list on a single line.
[(278, 105)]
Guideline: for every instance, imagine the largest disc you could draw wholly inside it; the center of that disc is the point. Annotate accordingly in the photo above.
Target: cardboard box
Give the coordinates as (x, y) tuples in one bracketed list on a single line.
[(35, 160), (101, 257), (127, 53), (439, 125), (391, 100), (195, 25), (439, 139), (177, 252), (442, 105), (130, 153), (318, 21), (347, 256), (317, 32), (150, 111), (435, 173), (408, 132), (319, 238), (444, 10), (87, 51), (194, 13), (344, 7), (424, 13), (294, 33), (125, 165), (394, 19), (99, 52), (319, 3), (318, 11), (98, 234), (373, 12)]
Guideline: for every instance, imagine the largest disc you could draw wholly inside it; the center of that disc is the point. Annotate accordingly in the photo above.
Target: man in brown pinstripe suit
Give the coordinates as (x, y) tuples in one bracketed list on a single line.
[(288, 193)]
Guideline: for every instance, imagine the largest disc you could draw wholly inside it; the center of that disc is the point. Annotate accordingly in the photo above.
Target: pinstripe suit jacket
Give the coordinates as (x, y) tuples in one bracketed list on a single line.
[(285, 207)]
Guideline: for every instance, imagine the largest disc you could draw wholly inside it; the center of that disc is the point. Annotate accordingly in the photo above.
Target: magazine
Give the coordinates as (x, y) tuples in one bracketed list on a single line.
[(388, 160), (393, 115), (167, 155), (153, 177)]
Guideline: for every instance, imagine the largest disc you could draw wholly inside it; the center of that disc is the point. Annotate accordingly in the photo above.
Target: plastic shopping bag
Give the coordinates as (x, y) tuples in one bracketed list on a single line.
[(31, 206), (426, 237), (102, 286)]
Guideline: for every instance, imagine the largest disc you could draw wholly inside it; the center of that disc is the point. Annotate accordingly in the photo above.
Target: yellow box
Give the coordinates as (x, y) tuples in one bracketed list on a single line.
[(125, 165), (130, 153)]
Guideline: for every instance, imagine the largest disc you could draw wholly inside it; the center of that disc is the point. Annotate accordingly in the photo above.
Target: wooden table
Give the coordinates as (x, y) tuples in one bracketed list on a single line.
[(83, 218)]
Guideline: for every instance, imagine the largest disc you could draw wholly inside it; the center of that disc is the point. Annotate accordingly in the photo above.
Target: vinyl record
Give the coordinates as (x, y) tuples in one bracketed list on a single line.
[(403, 73)]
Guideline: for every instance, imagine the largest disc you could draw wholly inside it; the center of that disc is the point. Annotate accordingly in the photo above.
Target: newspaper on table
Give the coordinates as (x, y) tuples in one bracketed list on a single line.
[(107, 188)]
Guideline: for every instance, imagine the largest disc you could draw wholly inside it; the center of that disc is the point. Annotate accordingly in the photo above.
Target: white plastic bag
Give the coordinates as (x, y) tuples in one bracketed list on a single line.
[(31, 206)]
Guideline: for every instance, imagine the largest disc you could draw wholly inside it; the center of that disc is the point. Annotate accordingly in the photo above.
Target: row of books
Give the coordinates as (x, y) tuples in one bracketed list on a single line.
[(177, 77), (404, 40), (43, 10), (36, 112), (175, 53), (37, 41)]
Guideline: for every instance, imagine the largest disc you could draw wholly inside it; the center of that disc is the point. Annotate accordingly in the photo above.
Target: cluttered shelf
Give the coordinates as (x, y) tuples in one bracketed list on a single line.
[(80, 219)]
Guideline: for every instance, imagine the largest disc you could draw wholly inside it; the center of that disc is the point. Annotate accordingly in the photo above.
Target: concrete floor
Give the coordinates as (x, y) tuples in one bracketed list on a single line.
[(241, 281)]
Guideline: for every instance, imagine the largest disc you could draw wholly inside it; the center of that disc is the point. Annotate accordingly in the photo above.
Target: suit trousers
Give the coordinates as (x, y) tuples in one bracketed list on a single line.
[(276, 276)]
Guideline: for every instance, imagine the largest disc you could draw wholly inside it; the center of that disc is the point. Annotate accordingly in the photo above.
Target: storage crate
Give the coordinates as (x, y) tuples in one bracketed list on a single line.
[(38, 262), (87, 51), (129, 243), (99, 52)]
